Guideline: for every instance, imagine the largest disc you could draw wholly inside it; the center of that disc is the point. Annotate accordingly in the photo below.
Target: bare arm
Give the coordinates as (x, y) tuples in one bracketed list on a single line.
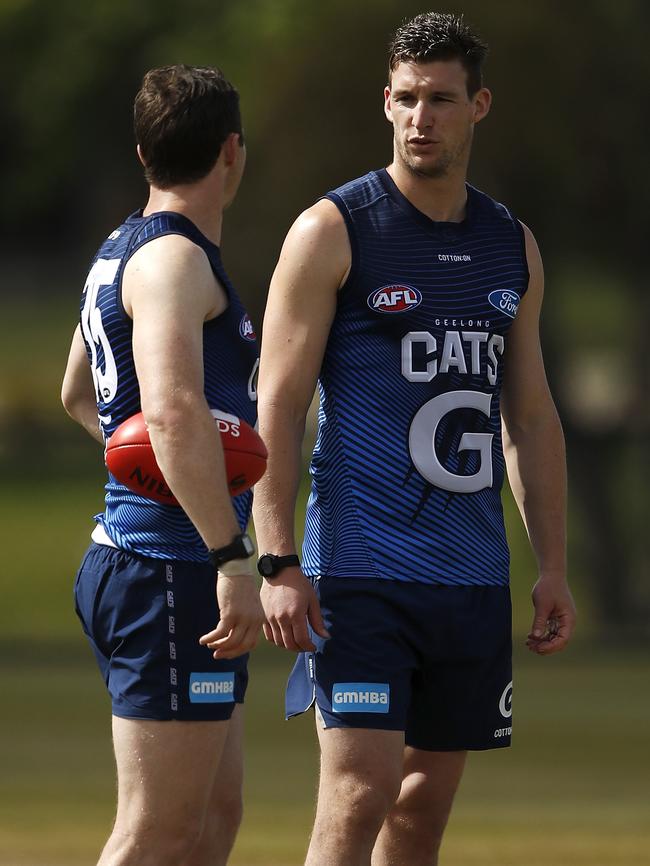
[(169, 290), (78, 391), (314, 263), (536, 462)]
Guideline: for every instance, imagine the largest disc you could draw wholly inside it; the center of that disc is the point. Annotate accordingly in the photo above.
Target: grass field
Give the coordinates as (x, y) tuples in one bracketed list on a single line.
[(574, 791)]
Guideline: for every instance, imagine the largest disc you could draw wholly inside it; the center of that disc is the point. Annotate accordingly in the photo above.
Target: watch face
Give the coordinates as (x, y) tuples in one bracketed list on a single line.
[(249, 547), (265, 565)]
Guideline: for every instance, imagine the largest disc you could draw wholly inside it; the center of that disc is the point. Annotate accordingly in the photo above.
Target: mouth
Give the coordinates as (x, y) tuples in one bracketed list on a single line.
[(420, 142)]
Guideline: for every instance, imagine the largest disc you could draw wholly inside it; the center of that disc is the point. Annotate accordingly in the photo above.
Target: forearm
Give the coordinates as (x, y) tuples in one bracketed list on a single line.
[(188, 449), (85, 414), (274, 503), (536, 463)]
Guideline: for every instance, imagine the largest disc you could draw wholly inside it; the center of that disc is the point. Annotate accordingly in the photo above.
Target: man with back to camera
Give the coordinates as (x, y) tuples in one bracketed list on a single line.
[(164, 332), (414, 300)]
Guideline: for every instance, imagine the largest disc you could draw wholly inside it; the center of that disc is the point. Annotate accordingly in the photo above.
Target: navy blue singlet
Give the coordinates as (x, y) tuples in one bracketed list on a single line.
[(230, 357), (408, 464)]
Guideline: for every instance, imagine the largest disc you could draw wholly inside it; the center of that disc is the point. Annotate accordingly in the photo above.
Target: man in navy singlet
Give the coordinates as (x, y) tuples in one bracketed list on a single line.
[(166, 594), (413, 299)]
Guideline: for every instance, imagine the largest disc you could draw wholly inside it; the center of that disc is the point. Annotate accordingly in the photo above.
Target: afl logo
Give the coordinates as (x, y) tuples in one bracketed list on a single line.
[(505, 300), (246, 329), (394, 299)]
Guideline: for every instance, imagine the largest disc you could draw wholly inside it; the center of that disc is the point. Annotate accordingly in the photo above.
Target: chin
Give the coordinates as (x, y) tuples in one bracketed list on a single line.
[(427, 169)]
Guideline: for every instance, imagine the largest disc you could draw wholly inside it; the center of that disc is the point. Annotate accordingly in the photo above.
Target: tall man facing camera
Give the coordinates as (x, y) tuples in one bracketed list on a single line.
[(163, 331), (414, 300)]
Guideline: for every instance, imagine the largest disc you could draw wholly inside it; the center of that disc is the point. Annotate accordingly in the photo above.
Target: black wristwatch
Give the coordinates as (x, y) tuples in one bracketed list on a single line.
[(270, 565), (241, 547)]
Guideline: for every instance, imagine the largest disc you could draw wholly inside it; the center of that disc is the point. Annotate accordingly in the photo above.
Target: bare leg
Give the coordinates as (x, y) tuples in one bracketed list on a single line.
[(361, 771), (165, 773), (224, 811), (412, 832)]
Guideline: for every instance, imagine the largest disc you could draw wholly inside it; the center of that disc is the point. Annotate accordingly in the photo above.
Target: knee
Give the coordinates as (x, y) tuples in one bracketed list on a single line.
[(420, 813), (224, 819), (157, 843), (363, 801)]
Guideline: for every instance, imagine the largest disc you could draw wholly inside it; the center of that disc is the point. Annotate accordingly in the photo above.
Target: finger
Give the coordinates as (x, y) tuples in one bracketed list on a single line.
[(540, 622), (301, 637), (276, 634), (221, 631), (315, 618), (230, 641), (553, 644), (268, 632), (288, 640), (246, 644)]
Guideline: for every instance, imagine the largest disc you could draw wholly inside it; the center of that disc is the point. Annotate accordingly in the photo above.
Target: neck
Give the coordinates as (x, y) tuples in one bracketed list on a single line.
[(442, 199), (203, 205)]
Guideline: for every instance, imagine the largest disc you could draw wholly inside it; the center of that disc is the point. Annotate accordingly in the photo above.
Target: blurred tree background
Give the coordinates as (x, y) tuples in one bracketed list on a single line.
[(564, 146)]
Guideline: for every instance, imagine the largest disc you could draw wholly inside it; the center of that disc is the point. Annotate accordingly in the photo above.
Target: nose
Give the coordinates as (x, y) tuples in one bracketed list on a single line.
[(422, 117)]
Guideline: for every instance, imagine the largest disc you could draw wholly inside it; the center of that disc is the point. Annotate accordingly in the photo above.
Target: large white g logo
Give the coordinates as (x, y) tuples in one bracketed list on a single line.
[(505, 702), (422, 437)]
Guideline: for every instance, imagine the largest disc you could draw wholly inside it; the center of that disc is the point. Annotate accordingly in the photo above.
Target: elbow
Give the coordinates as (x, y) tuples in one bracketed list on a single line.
[(71, 401), (166, 414)]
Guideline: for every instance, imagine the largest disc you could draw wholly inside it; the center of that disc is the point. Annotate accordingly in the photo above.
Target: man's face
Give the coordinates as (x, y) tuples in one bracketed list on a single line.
[(433, 117)]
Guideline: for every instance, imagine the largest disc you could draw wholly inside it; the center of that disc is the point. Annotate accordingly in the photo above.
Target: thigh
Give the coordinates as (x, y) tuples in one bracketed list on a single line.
[(367, 758), (361, 676), (462, 693), (166, 772)]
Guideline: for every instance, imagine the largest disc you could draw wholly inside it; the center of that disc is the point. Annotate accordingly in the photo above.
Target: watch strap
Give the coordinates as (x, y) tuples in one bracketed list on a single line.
[(241, 547)]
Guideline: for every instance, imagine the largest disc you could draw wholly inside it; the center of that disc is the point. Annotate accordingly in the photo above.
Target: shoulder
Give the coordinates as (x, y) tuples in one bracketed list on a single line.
[(360, 192), (319, 231), (166, 266), (175, 250), (317, 245)]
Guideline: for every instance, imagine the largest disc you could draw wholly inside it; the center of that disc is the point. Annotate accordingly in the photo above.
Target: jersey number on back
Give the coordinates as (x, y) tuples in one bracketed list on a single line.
[(104, 368)]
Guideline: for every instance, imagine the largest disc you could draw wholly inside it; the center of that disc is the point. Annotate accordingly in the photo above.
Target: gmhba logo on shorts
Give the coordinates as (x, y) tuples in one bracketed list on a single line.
[(360, 697), (210, 688), (394, 299)]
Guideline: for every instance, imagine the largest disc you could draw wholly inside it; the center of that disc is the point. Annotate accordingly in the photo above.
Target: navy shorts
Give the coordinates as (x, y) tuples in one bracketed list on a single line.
[(143, 618), (433, 661)]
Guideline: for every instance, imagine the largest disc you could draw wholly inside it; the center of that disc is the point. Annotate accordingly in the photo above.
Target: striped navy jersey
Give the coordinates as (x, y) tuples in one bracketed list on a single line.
[(230, 359), (408, 463)]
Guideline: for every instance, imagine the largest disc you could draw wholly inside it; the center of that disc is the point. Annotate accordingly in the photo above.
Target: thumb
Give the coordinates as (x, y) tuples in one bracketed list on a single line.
[(222, 629), (316, 618), (540, 620)]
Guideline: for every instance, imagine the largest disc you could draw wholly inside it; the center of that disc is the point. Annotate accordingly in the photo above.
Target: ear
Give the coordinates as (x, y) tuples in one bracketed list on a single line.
[(482, 102), (387, 107), (140, 157), (230, 148)]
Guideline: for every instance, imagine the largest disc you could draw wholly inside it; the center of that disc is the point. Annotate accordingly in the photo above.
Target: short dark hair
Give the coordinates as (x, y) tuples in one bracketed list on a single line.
[(439, 36), (182, 115)]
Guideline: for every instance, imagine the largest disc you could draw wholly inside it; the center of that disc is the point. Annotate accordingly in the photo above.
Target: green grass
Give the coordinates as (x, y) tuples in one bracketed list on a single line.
[(572, 792)]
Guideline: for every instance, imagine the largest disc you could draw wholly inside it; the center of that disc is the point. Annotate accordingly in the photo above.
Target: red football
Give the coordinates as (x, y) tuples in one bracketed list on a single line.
[(130, 457)]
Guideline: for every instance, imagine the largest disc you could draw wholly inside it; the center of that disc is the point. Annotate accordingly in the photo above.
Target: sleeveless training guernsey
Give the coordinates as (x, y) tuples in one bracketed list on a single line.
[(408, 463), (230, 357)]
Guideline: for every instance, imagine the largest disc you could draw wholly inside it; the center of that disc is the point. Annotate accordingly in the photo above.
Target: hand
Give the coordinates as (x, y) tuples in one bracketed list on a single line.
[(290, 603), (555, 616), (241, 616)]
